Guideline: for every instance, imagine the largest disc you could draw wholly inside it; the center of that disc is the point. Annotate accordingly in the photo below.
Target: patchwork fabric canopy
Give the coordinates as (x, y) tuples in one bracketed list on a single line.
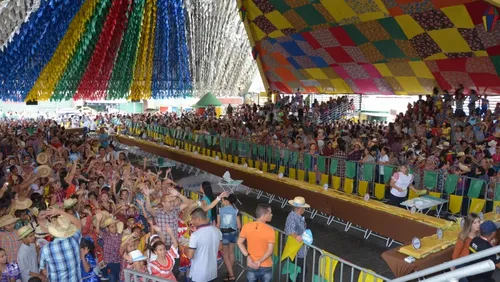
[(375, 46), (114, 49)]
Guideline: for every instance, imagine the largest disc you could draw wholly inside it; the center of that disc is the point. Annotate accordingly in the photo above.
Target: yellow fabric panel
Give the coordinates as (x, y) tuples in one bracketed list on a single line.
[(476, 205), (257, 33), (316, 73), (379, 191), (434, 194), (250, 163), (272, 167), (293, 173), (480, 53), (224, 157), (339, 9), (281, 169), (421, 70), (455, 204), (301, 174), (438, 56), (362, 188), (336, 182), (410, 84), (230, 158), (324, 179), (412, 194), (264, 167), (236, 159), (252, 10), (277, 19), (341, 86), (203, 151), (243, 160), (257, 165), (383, 69), (459, 16), (219, 154), (409, 26), (276, 246), (449, 40), (348, 185), (327, 266), (371, 16), (367, 277), (276, 34), (311, 177)]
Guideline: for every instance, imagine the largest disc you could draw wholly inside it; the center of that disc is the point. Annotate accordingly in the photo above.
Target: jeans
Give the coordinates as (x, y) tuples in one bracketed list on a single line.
[(112, 272), (263, 274)]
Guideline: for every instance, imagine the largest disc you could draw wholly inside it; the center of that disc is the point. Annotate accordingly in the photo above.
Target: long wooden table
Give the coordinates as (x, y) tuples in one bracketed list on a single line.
[(392, 226)]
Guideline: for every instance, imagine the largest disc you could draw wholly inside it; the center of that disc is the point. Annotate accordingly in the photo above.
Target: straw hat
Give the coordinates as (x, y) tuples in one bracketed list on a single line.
[(24, 231), (43, 170), (58, 162), (446, 144), (69, 203), (137, 256), (62, 228), (110, 221), (126, 237), (7, 220), (463, 167), (460, 154), (105, 215), (39, 232), (440, 147), (299, 202), (22, 204), (34, 211), (42, 158), (492, 143)]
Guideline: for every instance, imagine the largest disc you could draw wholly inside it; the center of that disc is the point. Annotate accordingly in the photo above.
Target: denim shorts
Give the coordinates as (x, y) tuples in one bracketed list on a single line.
[(229, 238), (264, 274)]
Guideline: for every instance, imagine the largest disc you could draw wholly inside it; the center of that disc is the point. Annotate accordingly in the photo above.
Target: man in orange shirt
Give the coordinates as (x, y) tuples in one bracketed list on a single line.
[(260, 245)]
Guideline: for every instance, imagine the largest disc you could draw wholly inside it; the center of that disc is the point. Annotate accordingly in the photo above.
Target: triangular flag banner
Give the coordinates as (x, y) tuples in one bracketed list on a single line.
[(292, 247), (291, 269), (490, 18)]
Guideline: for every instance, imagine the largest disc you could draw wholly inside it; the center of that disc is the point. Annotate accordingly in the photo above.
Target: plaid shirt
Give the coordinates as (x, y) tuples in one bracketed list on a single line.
[(111, 247), (168, 218), (61, 259), (9, 241)]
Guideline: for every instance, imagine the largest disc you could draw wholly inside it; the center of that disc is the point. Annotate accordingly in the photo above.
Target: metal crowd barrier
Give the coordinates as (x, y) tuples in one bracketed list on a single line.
[(464, 194)]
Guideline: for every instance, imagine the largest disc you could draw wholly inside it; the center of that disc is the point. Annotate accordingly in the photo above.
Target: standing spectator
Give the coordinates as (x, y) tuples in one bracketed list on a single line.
[(260, 245), (60, 259), (204, 245), (112, 239), (295, 226), (9, 240), (27, 257), (229, 223)]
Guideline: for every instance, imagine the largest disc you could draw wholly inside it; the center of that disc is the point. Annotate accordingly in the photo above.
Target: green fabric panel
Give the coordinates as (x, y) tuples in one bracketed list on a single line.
[(295, 158), (286, 156), (334, 163), (307, 161), (318, 278), (368, 170), (254, 149), (291, 269), (451, 183), (240, 145), (476, 185), (430, 179), (280, 5), (209, 140), (496, 197), (269, 154), (321, 164), (221, 143), (262, 150), (393, 28), (350, 169), (388, 173), (355, 34), (310, 15)]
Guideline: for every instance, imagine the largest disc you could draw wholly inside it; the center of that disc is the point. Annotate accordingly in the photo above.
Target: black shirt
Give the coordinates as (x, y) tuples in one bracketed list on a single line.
[(476, 245)]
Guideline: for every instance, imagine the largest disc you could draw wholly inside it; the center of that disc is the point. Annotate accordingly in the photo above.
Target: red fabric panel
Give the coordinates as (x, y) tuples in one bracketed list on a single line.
[(366, 85), (443, 84), (342, 37), (311, 40), (476, 11), (339, 54), (452, 64)]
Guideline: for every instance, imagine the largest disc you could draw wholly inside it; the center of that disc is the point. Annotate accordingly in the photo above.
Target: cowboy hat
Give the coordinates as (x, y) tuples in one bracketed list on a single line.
[(58, 162), (440, 147), (109, 221), (463, 167), (126, 237), (7, 220), (43, 170), (24, 231), (22, 204), (105, 215), (460, 154), (492, 143), (62, 228), (69, 203), (42, 158), (39, 232), (137, 256), (446, 144), (299, 202)]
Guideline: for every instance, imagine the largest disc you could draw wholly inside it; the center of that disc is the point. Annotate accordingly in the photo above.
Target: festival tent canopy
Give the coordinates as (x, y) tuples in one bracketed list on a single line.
[(208, 100), (375, 46), (114, 49)]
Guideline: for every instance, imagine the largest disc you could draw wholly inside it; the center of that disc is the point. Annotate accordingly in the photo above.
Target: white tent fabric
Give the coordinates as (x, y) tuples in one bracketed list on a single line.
[(13, 13)]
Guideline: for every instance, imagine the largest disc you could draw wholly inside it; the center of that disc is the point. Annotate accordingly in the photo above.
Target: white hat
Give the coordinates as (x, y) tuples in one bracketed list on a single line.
[(299, 202), (24, 231), (137, 256), (492, 143), (61, 228), (440, 147), (69, 203)]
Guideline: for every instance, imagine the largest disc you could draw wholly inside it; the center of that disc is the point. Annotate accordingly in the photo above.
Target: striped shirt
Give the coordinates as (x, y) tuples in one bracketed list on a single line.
[(9, 241), (61, 259)]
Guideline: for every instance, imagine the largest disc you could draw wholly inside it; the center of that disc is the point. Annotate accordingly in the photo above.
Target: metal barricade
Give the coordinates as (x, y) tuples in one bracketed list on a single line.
[(136, 276)]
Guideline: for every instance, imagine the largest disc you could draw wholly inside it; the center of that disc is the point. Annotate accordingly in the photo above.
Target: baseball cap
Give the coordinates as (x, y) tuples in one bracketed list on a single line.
[(488, 227)]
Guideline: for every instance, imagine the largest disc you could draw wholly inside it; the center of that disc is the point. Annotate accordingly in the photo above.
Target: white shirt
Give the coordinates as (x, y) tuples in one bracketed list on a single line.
[(27, 261), (205, 241), (384, 159), (403, 182)]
